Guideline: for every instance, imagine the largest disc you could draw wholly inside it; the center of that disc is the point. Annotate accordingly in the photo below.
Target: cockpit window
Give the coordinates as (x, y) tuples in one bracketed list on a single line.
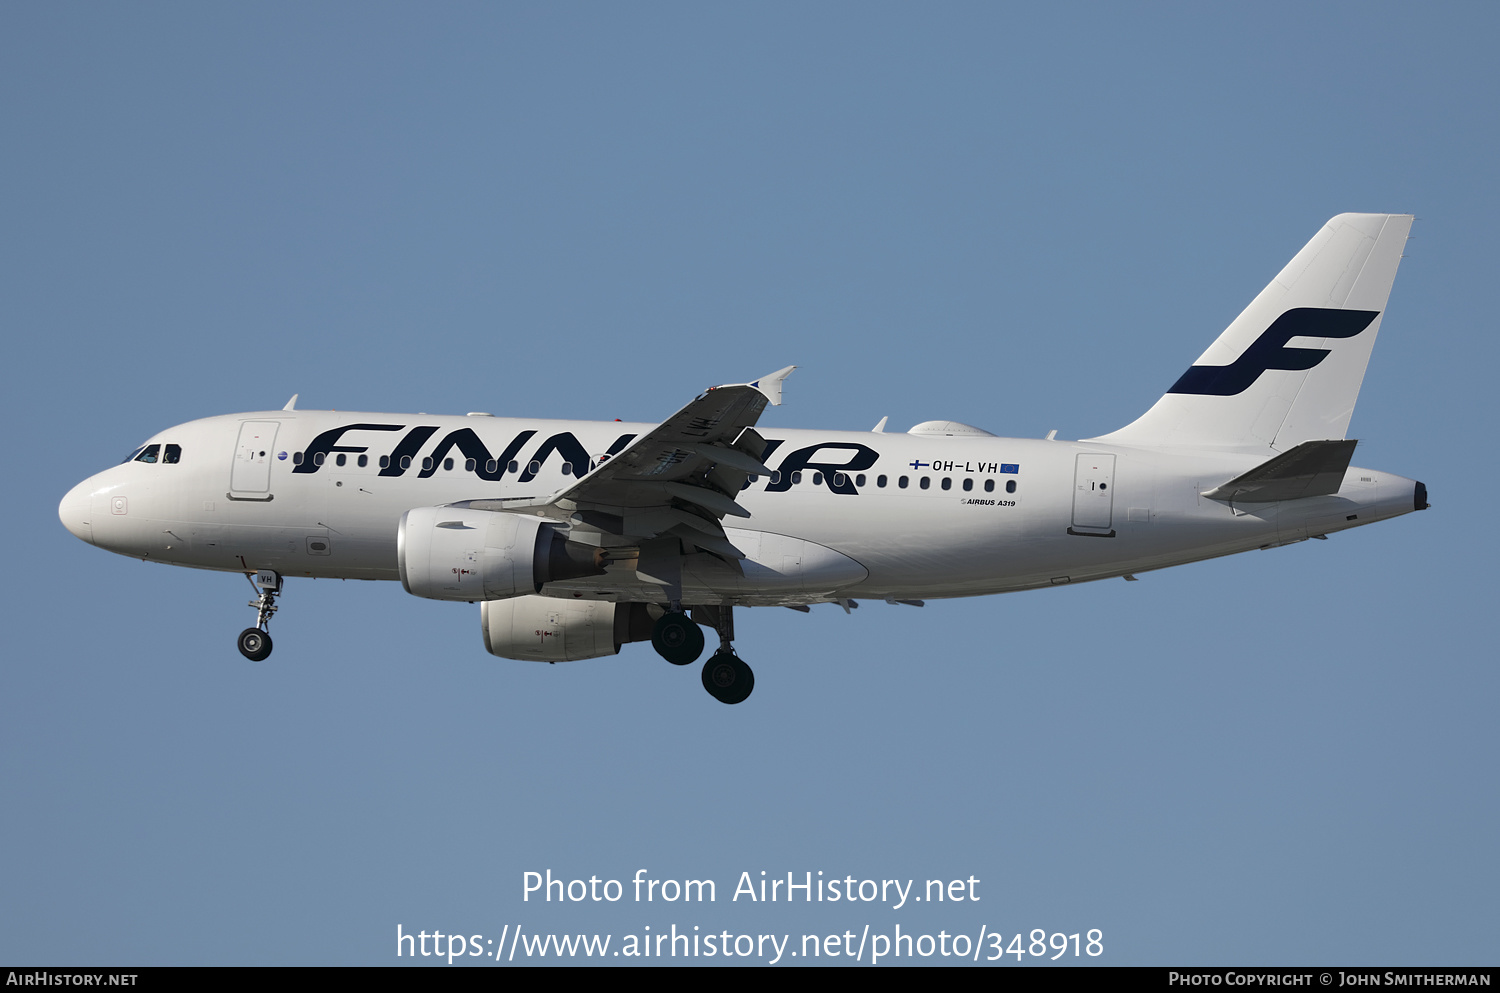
[(132, 455), (173, 453), (149, 453)]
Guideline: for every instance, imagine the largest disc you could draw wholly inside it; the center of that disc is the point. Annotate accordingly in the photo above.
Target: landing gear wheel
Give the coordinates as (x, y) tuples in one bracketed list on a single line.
[(727, 678), (255, 644), (677, 639)]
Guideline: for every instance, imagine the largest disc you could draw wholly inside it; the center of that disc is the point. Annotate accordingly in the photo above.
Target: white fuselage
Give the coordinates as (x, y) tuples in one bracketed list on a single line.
[(910, 517)]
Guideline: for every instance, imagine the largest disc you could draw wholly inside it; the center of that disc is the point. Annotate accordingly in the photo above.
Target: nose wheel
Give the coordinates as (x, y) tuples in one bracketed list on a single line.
[(255, 643)]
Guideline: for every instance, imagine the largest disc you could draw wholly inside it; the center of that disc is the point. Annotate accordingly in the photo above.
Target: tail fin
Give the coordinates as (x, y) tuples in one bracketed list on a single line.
[(1252, 390)]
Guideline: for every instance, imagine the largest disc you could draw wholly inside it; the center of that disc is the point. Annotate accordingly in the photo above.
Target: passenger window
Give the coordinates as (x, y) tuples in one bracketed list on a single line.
[(947, 483), (1010, 486), (817, 479), (385, 462), (491, 466), (839, 479), (296, 458), (926, 482), (775, 477), (534, 468), (448, 465), (149, 453), (342, 459), (514, 465), (796, 477), (427, 463), (902, 482), (880, 481), (405, 462), (989, 486), (968, 485), (318, 458), (172, 454), (364, 460), (567, 468)]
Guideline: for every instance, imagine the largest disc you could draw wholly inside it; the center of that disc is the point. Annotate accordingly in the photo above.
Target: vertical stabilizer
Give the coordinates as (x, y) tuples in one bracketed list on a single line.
[(1288, 369)]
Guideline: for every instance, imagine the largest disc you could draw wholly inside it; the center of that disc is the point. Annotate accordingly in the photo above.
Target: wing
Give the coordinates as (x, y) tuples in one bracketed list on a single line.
[(679, 478)]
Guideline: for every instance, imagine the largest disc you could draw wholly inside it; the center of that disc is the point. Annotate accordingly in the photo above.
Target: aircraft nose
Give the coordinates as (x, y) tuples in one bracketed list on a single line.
[(74, 512)]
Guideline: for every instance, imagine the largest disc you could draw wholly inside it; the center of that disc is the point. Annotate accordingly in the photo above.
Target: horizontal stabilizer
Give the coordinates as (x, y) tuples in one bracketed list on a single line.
[(1313, 468)]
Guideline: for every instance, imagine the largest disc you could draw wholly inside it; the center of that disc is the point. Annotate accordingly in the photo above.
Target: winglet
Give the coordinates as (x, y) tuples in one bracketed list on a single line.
[(292, 403), (770, 384)]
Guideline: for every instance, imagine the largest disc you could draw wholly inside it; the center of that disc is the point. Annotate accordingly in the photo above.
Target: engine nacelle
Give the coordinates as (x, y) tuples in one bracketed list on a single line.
[(543, 629), (454, 553)]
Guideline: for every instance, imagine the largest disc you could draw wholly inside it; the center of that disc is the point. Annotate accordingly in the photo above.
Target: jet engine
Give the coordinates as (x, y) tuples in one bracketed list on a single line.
[(455, 553), (543, 629)]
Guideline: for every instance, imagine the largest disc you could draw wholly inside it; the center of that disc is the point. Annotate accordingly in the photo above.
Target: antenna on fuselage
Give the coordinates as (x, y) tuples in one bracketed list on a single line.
[(292, 403)]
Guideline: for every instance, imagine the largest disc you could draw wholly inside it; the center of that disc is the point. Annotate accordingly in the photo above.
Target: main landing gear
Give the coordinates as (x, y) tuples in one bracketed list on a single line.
[(727, 678), (255, 643), (678, 639)]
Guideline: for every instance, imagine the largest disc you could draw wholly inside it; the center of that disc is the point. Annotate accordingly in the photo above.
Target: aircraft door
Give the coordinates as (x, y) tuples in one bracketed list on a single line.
[(1093, 492), (250, 476)]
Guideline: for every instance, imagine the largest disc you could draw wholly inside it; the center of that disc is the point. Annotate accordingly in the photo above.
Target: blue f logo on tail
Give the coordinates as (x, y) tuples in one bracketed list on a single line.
[(1269, 351)]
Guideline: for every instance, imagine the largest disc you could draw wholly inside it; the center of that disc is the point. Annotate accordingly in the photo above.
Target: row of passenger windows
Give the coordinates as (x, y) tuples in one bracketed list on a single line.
[(470, 465), (155, 453), (902, 482), (839, 479)]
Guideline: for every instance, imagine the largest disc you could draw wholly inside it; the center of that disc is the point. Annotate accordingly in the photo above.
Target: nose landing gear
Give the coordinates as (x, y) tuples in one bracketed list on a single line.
[(255, 643)]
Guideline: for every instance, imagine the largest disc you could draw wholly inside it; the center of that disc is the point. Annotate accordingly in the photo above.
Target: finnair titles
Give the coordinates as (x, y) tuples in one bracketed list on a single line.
[(579, 537)]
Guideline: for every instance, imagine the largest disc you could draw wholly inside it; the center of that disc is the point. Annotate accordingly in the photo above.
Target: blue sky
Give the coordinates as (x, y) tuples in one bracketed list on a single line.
[(1024, 219)]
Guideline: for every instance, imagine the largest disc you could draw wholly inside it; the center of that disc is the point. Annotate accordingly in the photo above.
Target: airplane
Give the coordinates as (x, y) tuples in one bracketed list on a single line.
[(578, 537)]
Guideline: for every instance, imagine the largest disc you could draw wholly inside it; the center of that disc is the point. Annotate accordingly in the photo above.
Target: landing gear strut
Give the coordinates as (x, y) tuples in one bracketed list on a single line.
[(725, 675), (255, 643)]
